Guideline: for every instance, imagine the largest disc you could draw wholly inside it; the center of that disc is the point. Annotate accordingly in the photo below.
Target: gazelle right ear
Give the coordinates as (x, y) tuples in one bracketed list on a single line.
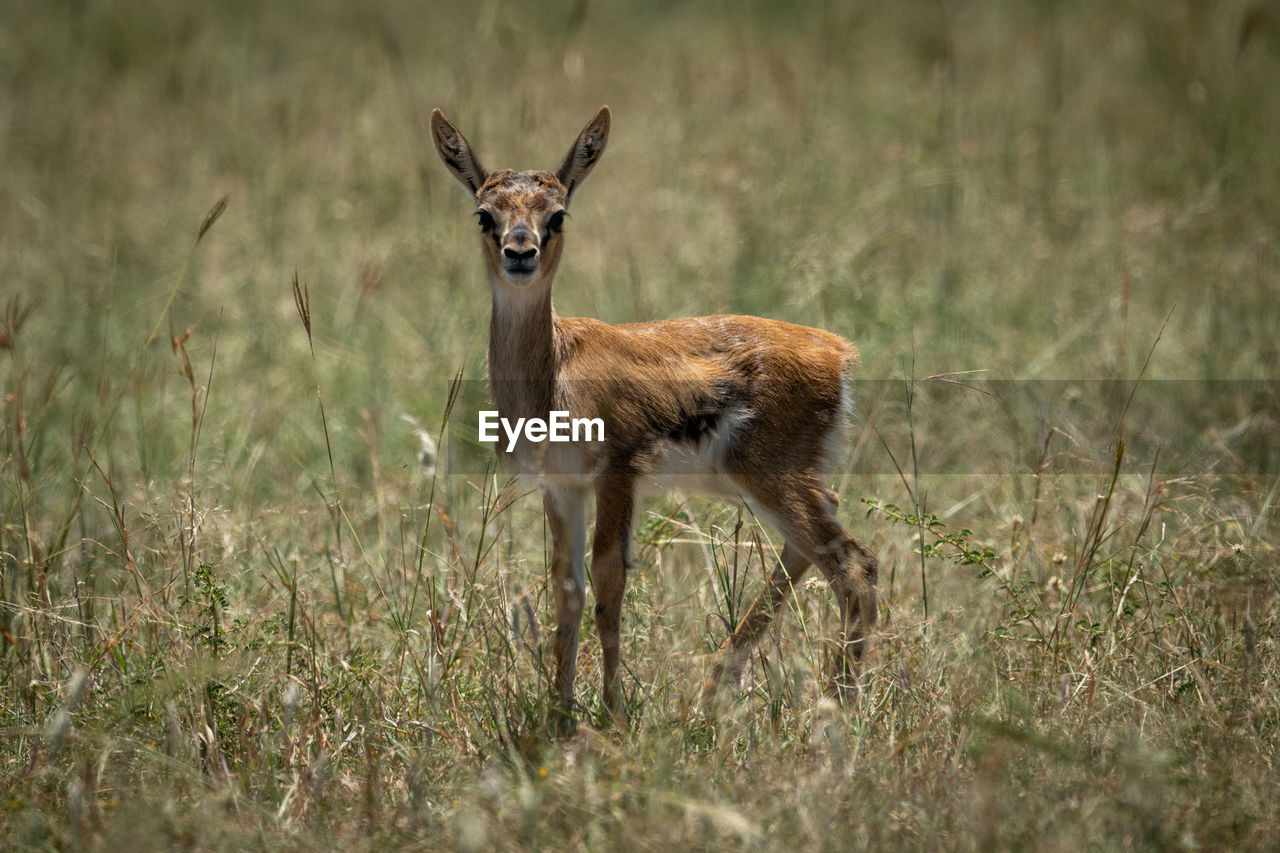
[(456, 153)]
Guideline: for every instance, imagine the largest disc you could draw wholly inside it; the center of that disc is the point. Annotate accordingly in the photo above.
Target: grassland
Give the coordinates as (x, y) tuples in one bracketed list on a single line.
[(236, 611)]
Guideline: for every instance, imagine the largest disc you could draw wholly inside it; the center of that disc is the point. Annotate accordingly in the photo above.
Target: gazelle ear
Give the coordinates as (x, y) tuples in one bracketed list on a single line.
[(456, 153), (582, 157)]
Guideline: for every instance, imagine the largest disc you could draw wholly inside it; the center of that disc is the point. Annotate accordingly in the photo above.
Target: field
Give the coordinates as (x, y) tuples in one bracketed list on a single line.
[(241, 295)]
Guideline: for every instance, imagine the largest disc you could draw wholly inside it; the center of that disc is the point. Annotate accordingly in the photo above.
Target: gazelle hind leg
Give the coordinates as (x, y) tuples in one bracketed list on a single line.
[(734, 653), (806, 512), (851, 571), (854, 588)]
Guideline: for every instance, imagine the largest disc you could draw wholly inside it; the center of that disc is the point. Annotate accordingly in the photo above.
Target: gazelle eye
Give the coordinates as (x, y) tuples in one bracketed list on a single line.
[(556, 223), (486, 220)]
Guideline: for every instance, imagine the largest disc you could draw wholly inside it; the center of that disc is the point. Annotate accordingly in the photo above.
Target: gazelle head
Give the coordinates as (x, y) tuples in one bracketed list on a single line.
[(521, 213)]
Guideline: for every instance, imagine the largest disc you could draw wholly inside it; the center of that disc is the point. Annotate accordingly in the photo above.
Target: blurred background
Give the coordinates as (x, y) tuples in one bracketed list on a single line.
[(1029, 190), (1054, 198)]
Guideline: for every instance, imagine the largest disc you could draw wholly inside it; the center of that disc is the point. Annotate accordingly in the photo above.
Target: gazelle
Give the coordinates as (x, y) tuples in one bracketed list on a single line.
[(740, 406)]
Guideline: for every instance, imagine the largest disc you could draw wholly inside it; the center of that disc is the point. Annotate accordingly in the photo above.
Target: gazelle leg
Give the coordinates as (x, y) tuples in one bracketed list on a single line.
[(850, 569), (736, 649), (566, 517), (806, 512), (610, 560)]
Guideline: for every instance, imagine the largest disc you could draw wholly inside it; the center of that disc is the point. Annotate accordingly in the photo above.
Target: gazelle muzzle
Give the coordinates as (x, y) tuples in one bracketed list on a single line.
[(520, 251)]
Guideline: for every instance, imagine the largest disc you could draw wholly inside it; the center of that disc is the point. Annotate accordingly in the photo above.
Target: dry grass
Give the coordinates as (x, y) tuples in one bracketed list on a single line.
[(237, 612)]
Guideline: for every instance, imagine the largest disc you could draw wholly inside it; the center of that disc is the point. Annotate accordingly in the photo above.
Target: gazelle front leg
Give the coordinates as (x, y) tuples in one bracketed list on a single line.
[(610, 559), (566, 517)]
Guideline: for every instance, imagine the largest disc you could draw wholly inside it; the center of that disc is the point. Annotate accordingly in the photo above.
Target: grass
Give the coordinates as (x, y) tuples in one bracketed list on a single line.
[(236, 610)]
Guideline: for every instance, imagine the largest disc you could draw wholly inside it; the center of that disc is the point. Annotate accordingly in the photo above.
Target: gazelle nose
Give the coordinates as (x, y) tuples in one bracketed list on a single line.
[(520, 254)]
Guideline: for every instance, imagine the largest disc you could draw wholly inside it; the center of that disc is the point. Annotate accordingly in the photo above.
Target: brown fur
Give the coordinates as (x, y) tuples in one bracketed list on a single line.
[(740, 405)]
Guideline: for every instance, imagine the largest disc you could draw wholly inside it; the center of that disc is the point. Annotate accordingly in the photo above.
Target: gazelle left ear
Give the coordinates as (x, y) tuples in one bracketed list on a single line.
[(586, 150)]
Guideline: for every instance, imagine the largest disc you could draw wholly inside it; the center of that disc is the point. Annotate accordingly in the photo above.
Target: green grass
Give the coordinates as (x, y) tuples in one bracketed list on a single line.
[(236, 612)]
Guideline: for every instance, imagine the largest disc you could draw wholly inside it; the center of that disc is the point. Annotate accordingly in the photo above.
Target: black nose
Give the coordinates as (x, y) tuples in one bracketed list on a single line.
[(519, 254)]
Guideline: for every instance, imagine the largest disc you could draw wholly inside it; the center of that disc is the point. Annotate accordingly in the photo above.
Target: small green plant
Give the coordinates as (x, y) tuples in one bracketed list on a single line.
[(933, 539), (209, 599), (955, 546)]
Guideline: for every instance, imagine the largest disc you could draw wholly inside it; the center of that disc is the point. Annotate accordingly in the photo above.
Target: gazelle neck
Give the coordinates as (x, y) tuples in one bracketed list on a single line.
[(522, 348)]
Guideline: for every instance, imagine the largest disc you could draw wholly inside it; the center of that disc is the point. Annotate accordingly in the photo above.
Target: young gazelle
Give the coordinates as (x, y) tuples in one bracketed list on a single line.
[(739, 406)]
